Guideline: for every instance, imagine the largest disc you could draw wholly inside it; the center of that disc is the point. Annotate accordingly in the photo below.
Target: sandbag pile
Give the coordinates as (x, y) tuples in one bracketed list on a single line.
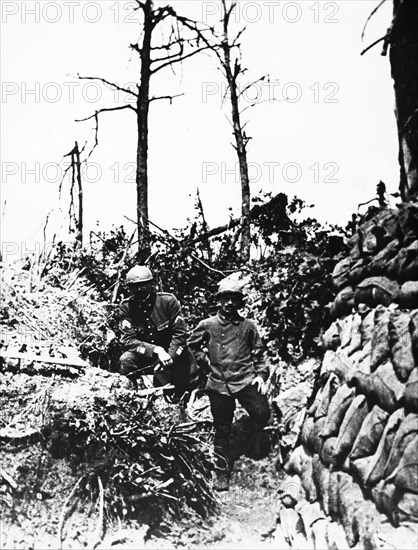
[(382, 267), (359, 440)]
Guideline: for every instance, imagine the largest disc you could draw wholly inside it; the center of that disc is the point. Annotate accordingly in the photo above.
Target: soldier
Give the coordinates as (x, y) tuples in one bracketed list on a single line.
[(153, 333), (236, 371)]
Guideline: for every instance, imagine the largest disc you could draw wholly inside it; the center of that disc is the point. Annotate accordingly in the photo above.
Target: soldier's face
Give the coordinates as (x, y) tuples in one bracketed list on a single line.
[(141, 291), (229, 303)]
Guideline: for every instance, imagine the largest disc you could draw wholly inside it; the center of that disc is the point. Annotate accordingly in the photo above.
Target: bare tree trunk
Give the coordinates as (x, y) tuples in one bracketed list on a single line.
[(243, 165), (142, 112), (240, 141), (80, 196), (404, 64)]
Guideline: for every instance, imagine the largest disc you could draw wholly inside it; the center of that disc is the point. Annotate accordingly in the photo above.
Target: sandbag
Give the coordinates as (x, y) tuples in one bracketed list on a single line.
[(388, 220), (345, 330), (336, 411), (379, 459), (315, 442), (411, 392), (319, 533), (350, 499), (381, 387), (410, 268), (380, 341), (371, 239), (359, 468), (408, 222), (355, 335), (376, 290), (343, 303), (335, 538), (404, 265), (407, 432), (321, 479), (367, 518), (317, 399), (333, 495), (326, 366), (383, 496), (330, 388), (387, 537), (367, 327), (331, 338), (401, 344), (362, 360), (297, 461), (406, 472), (378, 264), (327, 451), (358, 271), (399, 492), (370, 433), (306, 430), (353, 419), (341, 272), (408, 295), (341, 365), (406, 508), (307, 481)]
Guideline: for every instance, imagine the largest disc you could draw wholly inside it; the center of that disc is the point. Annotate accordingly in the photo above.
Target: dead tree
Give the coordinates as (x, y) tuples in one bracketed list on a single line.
[(228, 53), (76, 180), (402, 39), (176, 48)]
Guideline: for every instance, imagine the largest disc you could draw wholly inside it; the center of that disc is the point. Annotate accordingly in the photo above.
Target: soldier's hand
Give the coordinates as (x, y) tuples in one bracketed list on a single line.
[(163, 356), (259, 382)]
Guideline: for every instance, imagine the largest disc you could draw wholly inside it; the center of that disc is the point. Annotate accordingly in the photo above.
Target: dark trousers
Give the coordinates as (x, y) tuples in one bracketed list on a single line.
[(223, 407), (177, 374)]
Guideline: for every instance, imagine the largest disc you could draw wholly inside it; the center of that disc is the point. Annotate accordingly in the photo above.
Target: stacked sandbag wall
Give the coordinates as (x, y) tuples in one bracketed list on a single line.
[(359, 439)]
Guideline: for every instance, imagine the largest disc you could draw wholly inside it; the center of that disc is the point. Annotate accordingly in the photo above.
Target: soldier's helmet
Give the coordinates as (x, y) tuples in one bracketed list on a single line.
[(139, 274), (229, 286)]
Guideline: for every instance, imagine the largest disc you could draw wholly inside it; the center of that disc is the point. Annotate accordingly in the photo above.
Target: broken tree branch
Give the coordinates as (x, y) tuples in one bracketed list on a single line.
[(169, 97), (381, 39), (108, 83), (370, 16), (105, 110)]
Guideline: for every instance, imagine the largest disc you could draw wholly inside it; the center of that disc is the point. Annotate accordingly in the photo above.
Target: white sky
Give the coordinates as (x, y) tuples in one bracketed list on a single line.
[(330, 144)]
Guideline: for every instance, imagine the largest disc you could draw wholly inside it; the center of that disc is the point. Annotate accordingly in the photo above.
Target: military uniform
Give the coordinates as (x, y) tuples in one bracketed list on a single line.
[(156, 322), (235, 352)]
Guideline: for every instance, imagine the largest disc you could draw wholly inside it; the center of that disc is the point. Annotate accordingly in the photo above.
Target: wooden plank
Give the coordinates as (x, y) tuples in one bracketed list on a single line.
[(76, 362)]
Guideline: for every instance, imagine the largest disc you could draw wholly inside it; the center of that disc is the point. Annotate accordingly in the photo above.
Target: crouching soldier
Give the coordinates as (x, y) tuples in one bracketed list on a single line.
[(237, 372), (153, 333)]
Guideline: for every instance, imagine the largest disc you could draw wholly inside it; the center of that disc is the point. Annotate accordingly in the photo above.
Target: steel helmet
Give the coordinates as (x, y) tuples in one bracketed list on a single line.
[(139, 274), (230, 286)]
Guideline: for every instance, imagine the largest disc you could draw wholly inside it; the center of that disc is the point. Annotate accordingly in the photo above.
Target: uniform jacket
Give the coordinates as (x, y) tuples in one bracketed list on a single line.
[(161, 324), (235, 352)]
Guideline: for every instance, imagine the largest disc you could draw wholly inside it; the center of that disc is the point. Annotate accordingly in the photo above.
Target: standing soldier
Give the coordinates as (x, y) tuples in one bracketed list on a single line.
[(153, 332), (237, 373)]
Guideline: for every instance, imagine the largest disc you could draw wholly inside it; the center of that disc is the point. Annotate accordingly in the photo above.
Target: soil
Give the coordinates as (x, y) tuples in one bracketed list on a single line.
[(247, 512), (246, 515), (35, 482)]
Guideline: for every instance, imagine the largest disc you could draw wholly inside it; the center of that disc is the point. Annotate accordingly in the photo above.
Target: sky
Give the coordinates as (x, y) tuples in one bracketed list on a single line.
[(322, 128)]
